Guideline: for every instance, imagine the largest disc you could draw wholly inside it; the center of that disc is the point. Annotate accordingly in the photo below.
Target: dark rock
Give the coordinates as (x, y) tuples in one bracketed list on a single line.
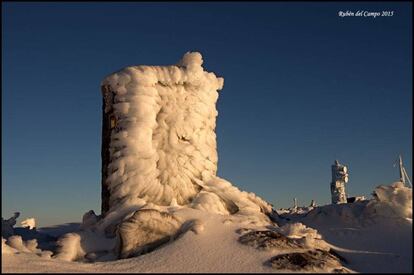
[(340, 270), (305, 261), (268, 239)]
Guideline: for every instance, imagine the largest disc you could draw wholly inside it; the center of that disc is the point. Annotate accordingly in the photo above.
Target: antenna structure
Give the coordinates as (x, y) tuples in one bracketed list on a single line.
[(403, 173)]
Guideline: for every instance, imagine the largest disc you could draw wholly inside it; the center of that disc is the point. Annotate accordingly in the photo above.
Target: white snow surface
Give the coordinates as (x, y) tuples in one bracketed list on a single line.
[(373, 235), (369, 240), (211, 246)]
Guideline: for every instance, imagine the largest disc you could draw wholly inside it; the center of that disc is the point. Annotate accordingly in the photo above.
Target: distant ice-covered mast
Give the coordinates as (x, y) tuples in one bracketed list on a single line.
[(295, 204), (339, 178), (403, 173), (402, 176)]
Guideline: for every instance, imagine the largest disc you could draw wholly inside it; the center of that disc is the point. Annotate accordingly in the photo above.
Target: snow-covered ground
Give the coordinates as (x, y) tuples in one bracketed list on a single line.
[(213, 249), (371, 236), (371, 245)]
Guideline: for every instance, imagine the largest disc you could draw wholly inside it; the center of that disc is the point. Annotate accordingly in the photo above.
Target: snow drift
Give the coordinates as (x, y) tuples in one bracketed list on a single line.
[(373, 235), (393, 200)]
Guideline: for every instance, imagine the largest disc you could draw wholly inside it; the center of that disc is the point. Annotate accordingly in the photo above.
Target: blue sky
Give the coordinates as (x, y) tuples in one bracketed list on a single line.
[(302, 88)]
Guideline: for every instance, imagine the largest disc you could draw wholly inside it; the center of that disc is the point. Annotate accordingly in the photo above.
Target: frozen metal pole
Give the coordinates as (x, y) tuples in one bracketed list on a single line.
[(402, 176)]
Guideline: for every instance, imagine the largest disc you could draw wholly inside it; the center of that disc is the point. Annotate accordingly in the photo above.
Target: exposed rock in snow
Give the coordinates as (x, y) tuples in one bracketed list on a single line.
[(144, 231), (268, 239), (311, 261), (310, 251), (29, 223)]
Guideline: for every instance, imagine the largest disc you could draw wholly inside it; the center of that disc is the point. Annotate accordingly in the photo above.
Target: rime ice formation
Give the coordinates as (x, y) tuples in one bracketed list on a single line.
[(29, 223), (162, 147), (393, 200), (162, 137), (339, 178), (159, 161)]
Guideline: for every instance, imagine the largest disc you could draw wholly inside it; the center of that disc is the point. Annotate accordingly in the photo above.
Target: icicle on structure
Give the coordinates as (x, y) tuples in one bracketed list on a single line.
[(159, 154)]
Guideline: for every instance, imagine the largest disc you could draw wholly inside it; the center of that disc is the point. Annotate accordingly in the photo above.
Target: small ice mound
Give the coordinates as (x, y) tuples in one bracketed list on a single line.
[(29, 223), (76, 245), (69, 247), (298, 230), (237, 202), (16, 242), (6, 249), (29, 246), (197, 226), (209, 202), (307, 236), (393, 200), (89, 219), (145, 231), (191, 59)]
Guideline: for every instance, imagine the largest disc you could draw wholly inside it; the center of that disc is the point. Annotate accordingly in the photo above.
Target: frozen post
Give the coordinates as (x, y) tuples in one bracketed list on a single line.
[(402, 176), (295, 204), (403, 173), (158, 133), (312, 204), (339, 178)]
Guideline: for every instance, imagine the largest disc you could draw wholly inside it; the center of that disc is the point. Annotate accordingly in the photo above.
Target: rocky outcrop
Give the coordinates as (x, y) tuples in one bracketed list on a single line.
[(267, 239), (311, 260)]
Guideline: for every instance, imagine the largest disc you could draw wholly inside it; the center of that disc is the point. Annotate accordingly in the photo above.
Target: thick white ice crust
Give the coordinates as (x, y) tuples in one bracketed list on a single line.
[(393, 200), (29, 222), (164, 138)]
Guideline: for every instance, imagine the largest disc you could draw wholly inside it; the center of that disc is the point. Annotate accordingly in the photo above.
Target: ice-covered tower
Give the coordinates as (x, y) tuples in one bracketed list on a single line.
[(339, 178), (158, 133)]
